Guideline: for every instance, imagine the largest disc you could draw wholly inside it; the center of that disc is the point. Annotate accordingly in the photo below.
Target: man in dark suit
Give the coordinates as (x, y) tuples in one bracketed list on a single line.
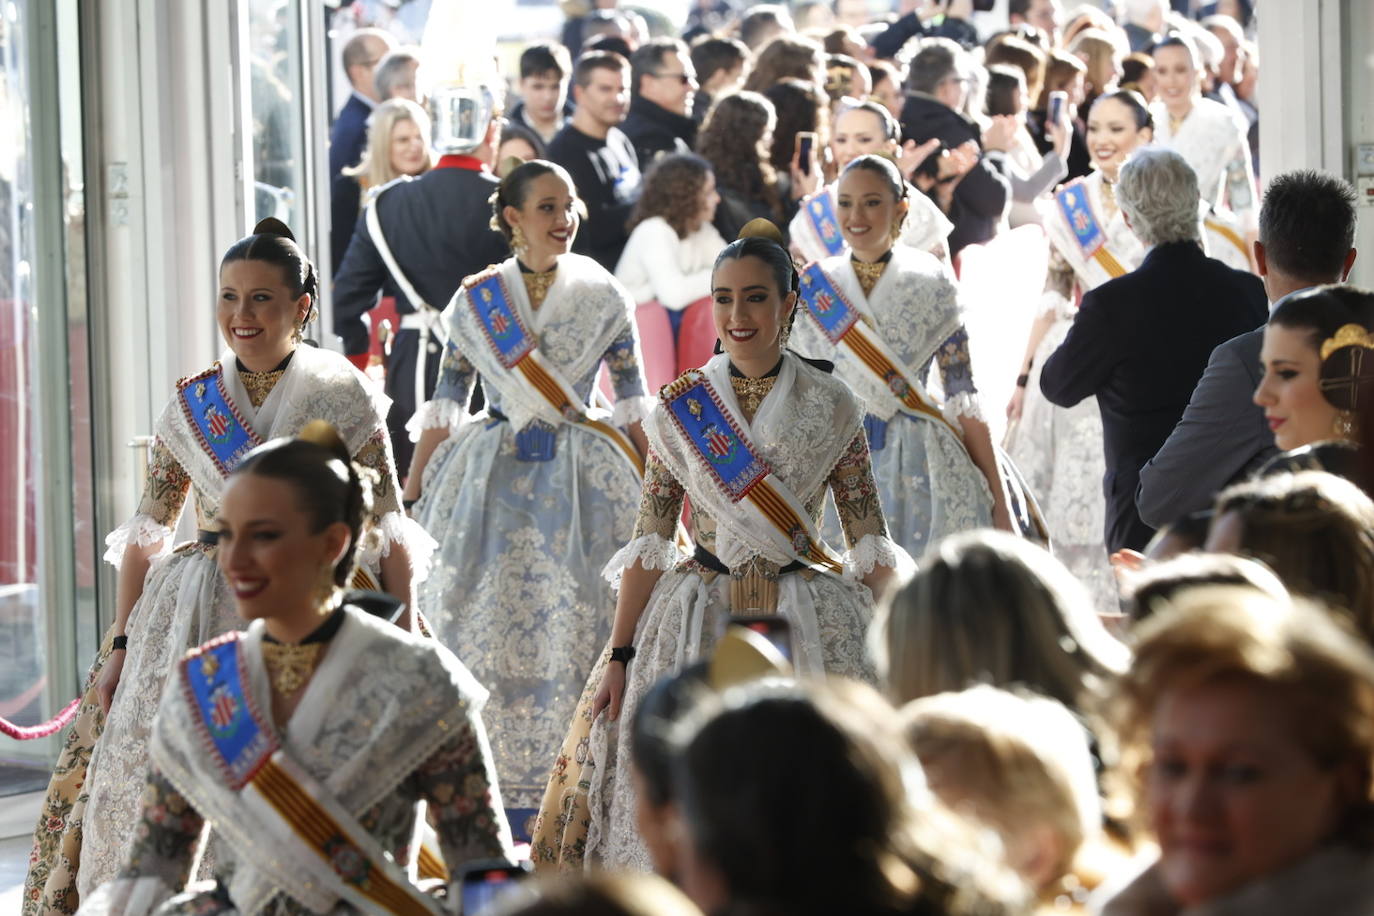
[(1140, 342), (437, 229), (663, 85), (362, 52), (1306, 238), (937, 85)]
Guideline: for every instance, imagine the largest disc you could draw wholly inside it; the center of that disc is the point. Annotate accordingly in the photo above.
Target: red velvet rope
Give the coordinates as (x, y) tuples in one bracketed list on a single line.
[(43, 729)]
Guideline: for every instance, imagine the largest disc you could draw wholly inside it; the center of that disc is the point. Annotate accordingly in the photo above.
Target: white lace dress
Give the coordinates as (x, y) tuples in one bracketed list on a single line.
[(808, 429), (185, 600)]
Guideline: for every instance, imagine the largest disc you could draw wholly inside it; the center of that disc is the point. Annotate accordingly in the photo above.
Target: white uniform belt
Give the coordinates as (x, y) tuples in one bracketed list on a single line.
[(415, 321)]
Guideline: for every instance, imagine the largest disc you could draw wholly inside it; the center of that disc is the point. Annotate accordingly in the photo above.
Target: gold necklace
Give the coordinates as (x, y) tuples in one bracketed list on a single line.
[(868, 273), (750, 392), (537, 284), (288, 666), (259, 384)]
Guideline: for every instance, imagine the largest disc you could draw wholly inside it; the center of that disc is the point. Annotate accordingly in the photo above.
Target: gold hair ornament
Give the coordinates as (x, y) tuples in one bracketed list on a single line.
[(1347, 335)]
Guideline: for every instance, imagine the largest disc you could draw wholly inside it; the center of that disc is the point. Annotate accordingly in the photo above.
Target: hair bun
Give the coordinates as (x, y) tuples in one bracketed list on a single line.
[(508, 165), (323, 433), (273, 226), (761, 228)]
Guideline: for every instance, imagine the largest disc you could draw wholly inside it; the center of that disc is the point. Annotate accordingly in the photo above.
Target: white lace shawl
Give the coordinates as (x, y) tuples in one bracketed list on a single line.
[(1210, 137), (585, 310), (317, 384), (914, 308), (376, 709), (924, 228), (801, 430), (1123, 244)]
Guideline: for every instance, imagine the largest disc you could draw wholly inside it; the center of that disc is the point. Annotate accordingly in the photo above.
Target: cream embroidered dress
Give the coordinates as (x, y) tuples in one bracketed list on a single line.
[(1059, 449), (89, 814), (807, 426), (930, 487), (387, 720), (527, 509), (815, 231)]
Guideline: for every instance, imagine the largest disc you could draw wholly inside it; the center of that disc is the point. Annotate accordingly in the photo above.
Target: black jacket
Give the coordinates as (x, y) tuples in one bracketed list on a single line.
[(654, 131), (606, 173), (347, 140), (1140, 343), (981, 197)]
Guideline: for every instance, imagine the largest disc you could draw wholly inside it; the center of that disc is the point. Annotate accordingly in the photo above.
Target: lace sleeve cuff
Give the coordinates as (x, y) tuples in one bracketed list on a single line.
[(1053, 302), (437, 413), (631, 410), (964, 404), (653, 551), (142, 530), (398, 528), (874, 550)]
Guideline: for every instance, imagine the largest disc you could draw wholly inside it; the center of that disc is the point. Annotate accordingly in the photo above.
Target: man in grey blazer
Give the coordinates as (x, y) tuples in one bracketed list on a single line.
[(1306, 234)]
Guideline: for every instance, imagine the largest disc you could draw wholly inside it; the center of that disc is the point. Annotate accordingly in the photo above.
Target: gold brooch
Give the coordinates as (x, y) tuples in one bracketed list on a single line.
[(1347, 335)]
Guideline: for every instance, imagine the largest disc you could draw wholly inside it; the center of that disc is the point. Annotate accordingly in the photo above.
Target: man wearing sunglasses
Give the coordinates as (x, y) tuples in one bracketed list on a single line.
[(663, 83)]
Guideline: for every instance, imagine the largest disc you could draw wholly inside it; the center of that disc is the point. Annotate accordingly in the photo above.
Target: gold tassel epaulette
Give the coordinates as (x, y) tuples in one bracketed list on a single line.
[(472, 280), (680, 384)]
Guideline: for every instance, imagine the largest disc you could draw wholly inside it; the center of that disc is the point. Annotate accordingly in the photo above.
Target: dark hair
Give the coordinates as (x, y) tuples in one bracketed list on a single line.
[(892, 130), (1003, 82), (1316, 531), (884, 168), (273, 243), (768, 251), (329, 487), (760, 19), (543, 58), (1335, 456), (842, 73), (838, 39), (729, 140), (1023, 55), (597, 60), (882, 70), (799, 105), (514, 190), (1321, 312), (1135, 102), (663, 706), (1134, 67), (711, 55), (670, 190), (1162, 582), (647, 59), (783, 57), (513, 130), (607, 44), (1191, 530), (937, 59), (1307, 224), (1179, 40)]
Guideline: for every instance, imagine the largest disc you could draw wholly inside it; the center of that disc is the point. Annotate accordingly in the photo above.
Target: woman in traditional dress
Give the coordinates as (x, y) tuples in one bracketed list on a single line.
[(264, 385), (530, 499), (860, 129), (317, 713), (881, 312), (754, 439), (1213, 139), (1059, 449)]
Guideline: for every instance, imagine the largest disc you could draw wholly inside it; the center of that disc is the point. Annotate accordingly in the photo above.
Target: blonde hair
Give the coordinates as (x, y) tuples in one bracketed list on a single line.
[(1098, 50), (989, 606), (375, 168), (1290, 646), (1016, 761)]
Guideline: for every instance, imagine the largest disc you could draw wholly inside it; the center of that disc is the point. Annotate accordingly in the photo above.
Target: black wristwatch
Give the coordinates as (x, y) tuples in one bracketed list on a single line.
[(119, 644), (623, 654), (1023, 380)]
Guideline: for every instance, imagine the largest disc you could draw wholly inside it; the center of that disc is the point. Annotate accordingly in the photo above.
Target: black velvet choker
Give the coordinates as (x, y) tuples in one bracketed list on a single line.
[(277, 368), (735, 373), (322, 633), (887, 256)]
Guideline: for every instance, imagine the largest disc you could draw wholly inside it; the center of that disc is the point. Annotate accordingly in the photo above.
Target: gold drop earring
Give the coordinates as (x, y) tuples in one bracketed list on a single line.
[(1345, 426), (517, 239)]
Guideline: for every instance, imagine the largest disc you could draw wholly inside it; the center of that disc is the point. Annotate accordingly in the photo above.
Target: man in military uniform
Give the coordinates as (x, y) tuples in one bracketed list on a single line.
[(422, 236)]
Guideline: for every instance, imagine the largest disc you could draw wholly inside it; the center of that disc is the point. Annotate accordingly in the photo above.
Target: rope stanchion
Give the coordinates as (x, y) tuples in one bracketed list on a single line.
[(43, 729)]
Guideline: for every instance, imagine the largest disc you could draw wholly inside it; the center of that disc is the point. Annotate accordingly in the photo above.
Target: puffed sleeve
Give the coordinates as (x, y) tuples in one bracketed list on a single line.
[(855, 492), (459, 783), (653, 542), (164, 494), (445, 410)]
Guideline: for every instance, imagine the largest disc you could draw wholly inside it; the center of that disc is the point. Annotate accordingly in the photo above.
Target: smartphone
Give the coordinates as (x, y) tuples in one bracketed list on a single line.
[(1058, 101), (806, 150), (772, 628), (486, 883)]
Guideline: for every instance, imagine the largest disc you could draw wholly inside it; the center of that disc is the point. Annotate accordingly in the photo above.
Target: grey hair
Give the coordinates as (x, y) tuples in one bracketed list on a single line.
[(393, 70), (1157, 190)]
